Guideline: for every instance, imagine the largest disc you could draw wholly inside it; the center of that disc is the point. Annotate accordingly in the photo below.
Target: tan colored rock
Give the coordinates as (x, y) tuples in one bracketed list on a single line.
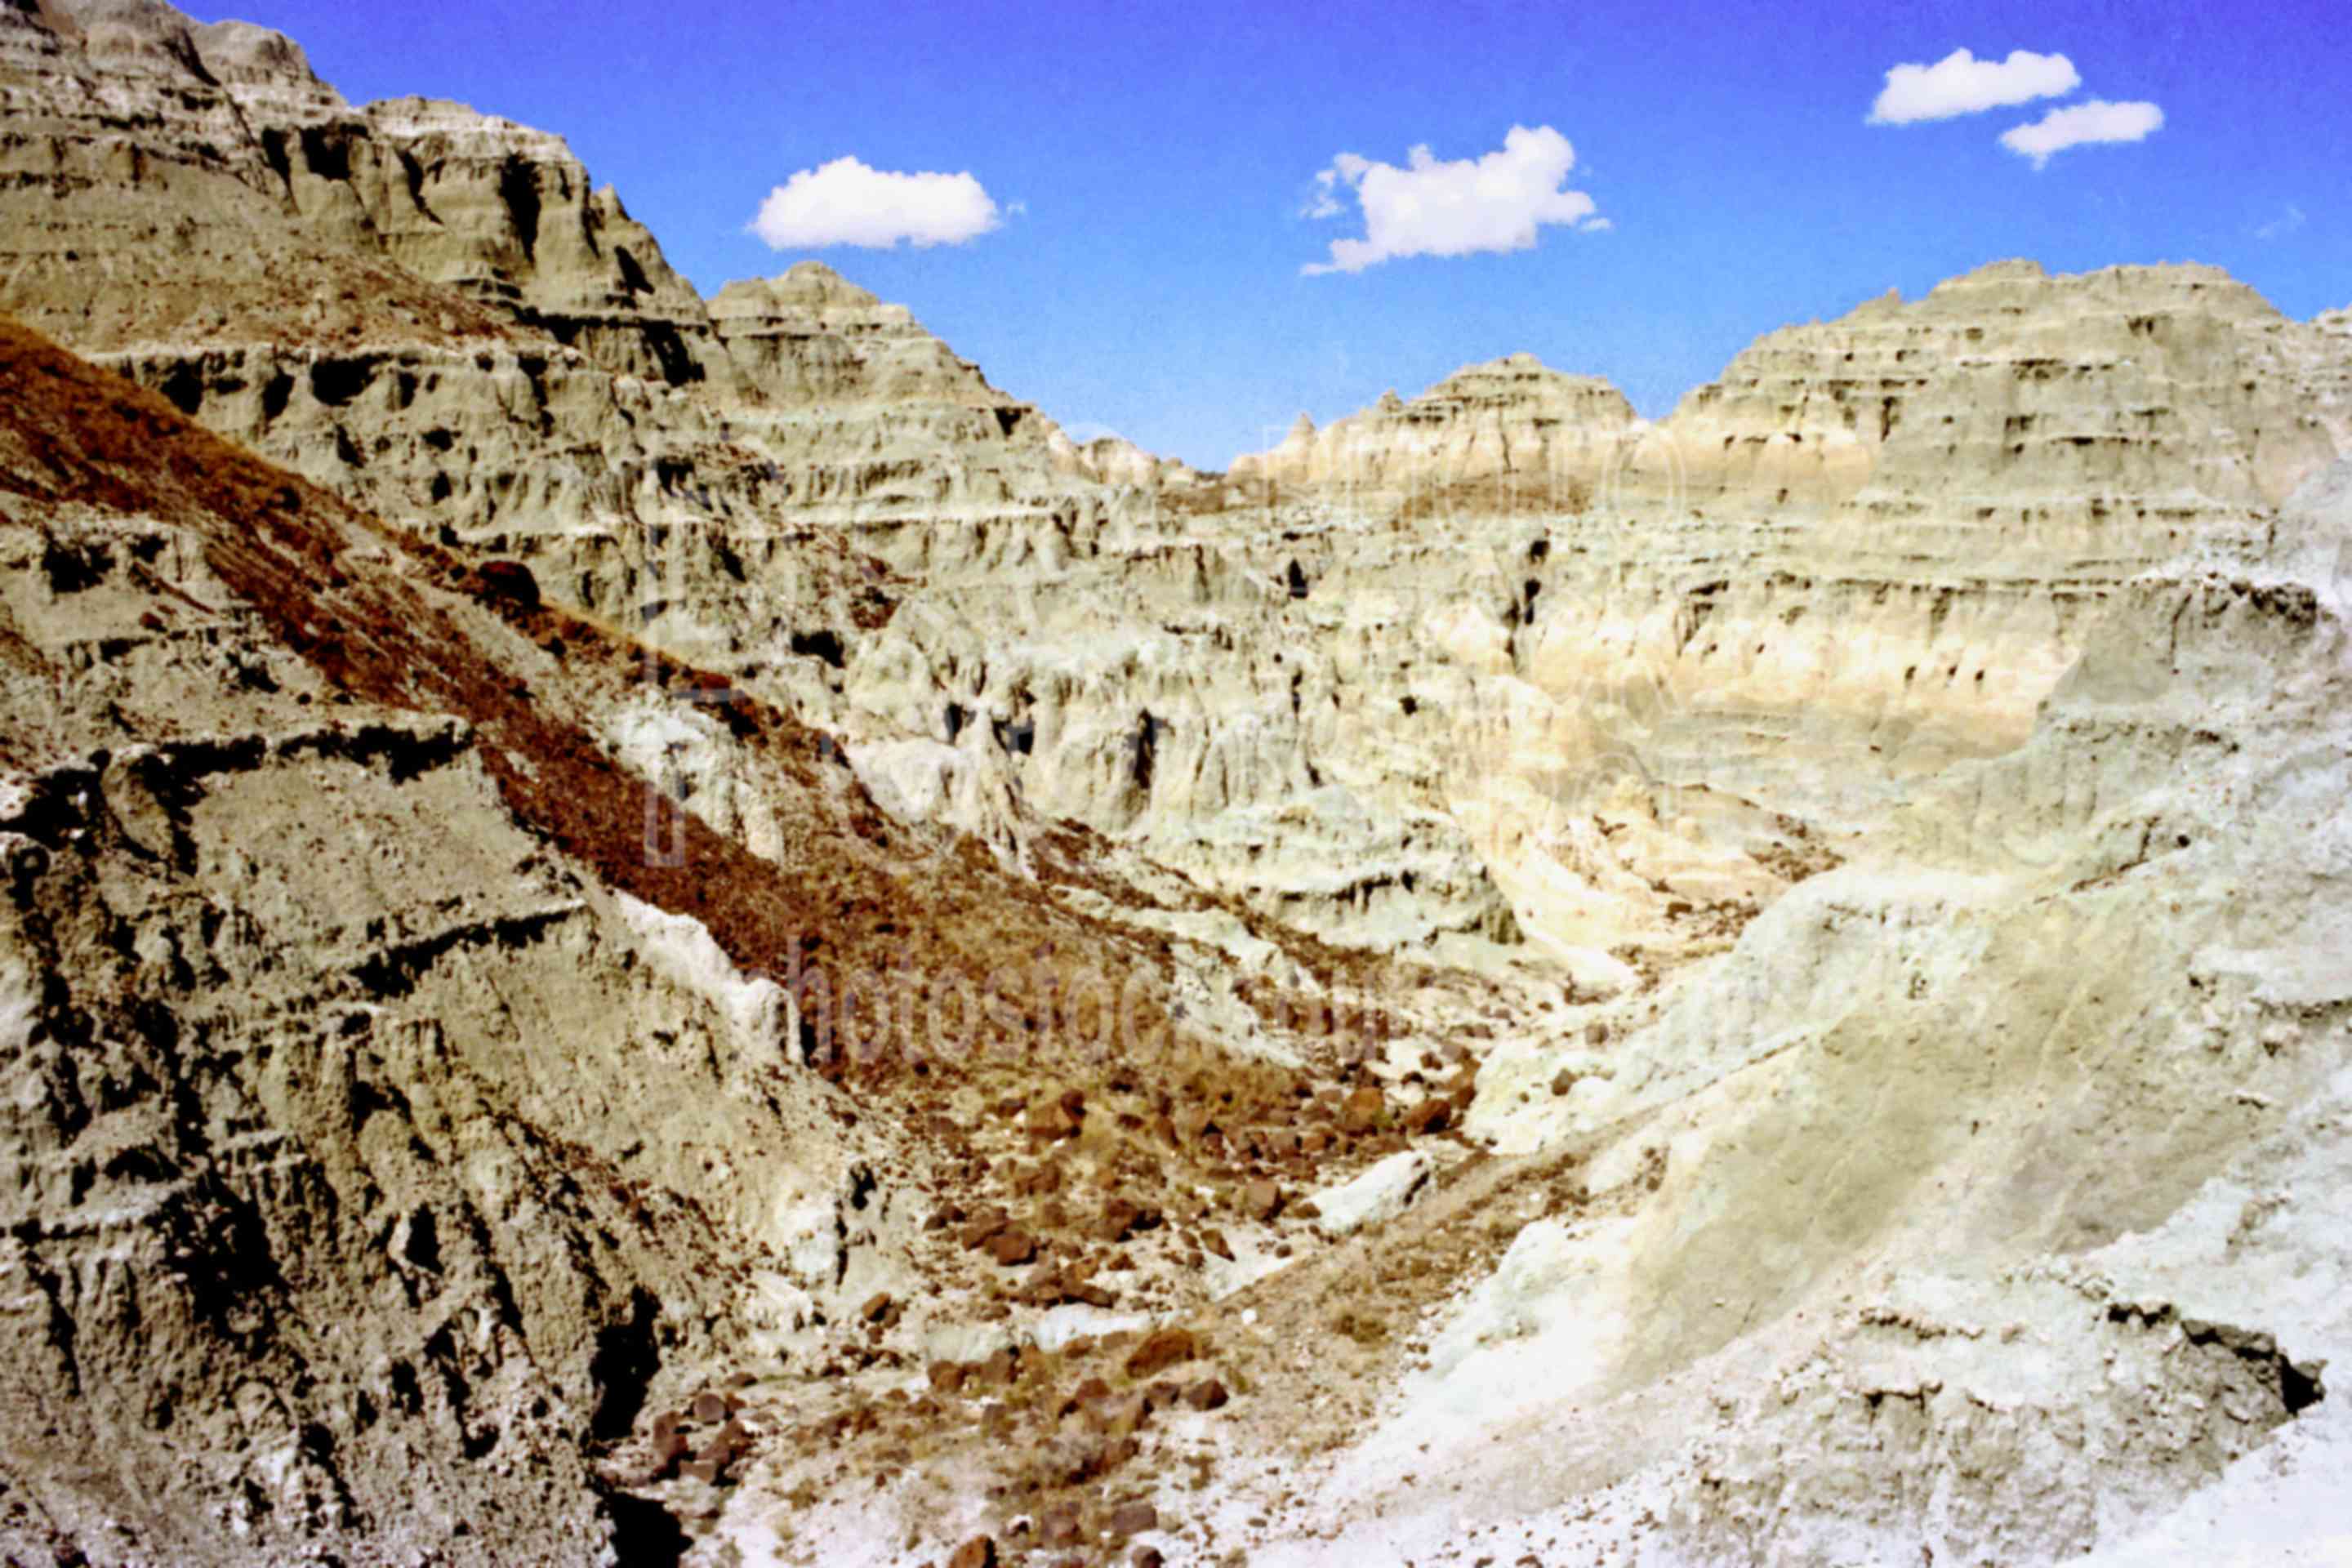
[(1512, 433)]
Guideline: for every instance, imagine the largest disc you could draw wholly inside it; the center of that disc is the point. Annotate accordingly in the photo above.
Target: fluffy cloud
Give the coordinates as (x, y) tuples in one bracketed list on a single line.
[(846, 203), (1961, 83), (1433, 208), (2097, 120)]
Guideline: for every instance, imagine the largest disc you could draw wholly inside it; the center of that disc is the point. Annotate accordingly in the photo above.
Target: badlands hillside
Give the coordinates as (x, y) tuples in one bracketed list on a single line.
[(650, 930)]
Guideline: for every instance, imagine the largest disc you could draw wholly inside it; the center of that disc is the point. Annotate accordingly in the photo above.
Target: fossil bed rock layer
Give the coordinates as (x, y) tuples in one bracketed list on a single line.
[(1836, 896)]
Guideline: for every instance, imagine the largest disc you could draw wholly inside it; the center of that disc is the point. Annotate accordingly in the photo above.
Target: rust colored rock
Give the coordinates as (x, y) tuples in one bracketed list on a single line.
[(947, 1376), (1073, 1464), (1123, 1417), (1012, 1247), (979, 1552), (725, 1443), (1215, 1242), (670, 1452), (877, 1308), (1206, 1394), (1059, 1526), (1053, 1287), (1149, 1557), (1361, 1111), (1044, 1179), (1261, 1200), (511, 583), (1305, 1209), (1132, 1519), (1051, 1120), (989, 1222), (1164, 1348), (1119, 1220), (1429, 1116), (1086, 1294), (1086, 1394)]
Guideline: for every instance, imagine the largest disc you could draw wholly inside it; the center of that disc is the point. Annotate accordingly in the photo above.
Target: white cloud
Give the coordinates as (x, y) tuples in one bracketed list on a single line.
[(2279, 228), (1961, 83), (2097, 120), (1493, 202), (846, 203)]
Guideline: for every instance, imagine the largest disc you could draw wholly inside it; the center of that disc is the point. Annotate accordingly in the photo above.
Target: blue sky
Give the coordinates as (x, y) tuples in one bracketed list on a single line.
[(1152, 168)]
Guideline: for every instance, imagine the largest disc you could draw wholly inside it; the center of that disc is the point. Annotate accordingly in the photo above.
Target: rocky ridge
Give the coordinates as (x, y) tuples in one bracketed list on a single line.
[(1866, 552), (414, 1107)]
